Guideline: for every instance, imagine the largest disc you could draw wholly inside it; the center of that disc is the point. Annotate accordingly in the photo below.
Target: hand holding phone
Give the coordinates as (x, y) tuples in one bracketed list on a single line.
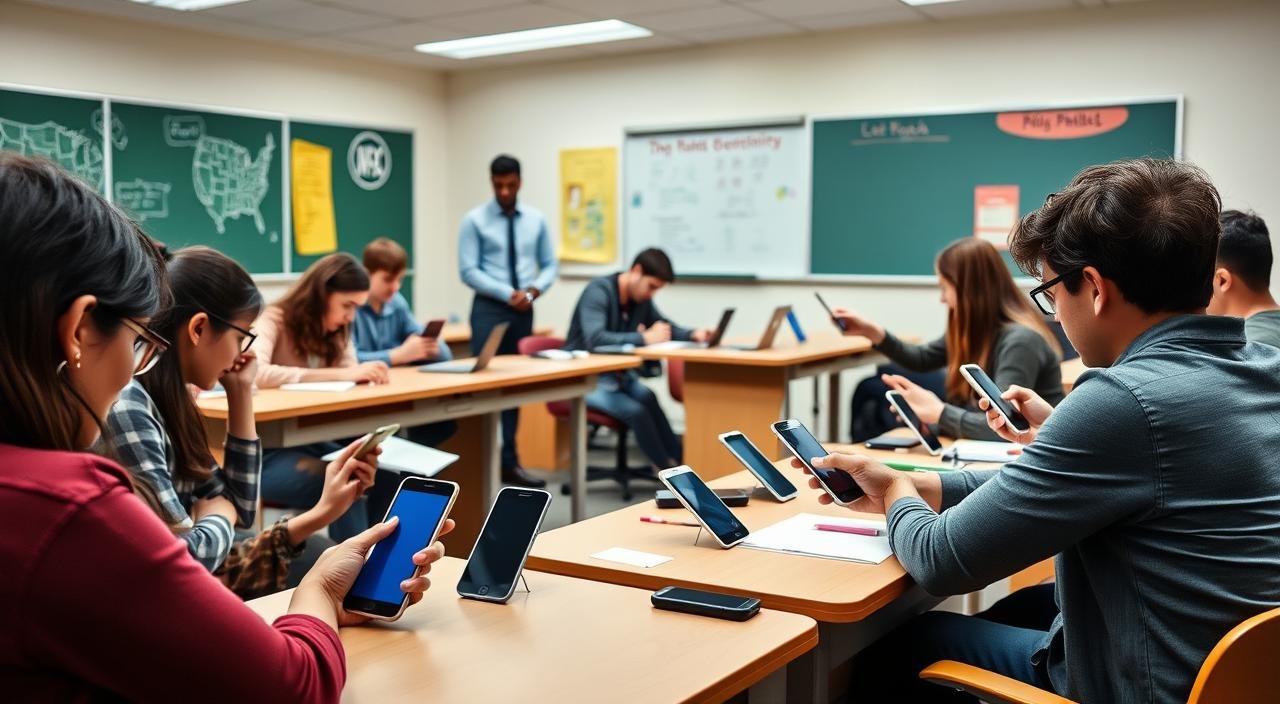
[(433, 328), (797, 438), (1035, 409), (987, 389), (839, 322), (375, 439)]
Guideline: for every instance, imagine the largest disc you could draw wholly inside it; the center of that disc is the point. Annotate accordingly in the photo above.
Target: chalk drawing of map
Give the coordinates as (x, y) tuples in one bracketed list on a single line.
[(73, 150), (143, 199), (228, 181)]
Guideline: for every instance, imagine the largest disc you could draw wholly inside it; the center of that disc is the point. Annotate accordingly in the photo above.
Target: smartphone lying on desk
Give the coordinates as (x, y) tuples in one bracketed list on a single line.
[(701, 603)]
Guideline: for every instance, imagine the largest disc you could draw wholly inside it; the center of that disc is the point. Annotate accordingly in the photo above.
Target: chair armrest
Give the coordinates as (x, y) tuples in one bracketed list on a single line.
[(986, 685)]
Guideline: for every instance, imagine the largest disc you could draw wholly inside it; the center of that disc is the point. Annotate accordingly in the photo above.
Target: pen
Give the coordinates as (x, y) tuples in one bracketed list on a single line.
[(856, 530), (909, 467), (655, 519)]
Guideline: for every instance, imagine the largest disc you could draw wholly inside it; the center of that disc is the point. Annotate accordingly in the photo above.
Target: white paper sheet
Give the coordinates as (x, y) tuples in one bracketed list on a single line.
[(635, 558), (401, 455), (797, 536), (984, 451)]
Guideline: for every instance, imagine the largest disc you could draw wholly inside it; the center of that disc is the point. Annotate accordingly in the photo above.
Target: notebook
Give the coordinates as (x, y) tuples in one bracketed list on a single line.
[(400, 455), (983, 451), (797, 536)]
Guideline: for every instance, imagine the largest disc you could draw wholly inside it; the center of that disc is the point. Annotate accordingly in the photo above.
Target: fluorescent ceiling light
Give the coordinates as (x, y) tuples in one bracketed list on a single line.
[(927, 2), (535, 39), (189, 4)]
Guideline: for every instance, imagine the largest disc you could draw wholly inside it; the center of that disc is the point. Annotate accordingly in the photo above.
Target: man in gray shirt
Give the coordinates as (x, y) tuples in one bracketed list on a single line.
[(1156, 482), (1243, 277)]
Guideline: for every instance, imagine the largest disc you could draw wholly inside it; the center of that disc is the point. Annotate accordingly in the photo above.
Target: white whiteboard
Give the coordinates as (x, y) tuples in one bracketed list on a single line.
[(732, 201)]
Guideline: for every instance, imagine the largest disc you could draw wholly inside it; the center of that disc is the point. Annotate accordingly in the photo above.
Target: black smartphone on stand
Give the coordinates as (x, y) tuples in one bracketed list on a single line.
[(495, 564), (422, 505)]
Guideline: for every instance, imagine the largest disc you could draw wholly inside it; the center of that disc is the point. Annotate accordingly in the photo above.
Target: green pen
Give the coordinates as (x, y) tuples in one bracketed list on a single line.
[(909, 467)]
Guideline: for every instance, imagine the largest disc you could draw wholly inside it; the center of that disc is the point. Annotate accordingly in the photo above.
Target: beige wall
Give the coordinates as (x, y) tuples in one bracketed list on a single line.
[(1221, 55), (55, 49)]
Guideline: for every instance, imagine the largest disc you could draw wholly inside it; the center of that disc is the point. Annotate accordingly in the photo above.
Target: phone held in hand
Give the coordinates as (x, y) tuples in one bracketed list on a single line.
[(375, 439), (433, 328), (987, 388), (801, 443), (839, 323)]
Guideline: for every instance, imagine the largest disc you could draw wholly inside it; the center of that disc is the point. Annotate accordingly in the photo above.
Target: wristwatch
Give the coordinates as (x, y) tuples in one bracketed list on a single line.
[(528, 296)]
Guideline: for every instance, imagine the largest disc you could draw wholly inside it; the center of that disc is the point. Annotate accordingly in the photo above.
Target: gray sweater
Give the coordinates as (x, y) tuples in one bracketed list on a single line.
[(1021, 356), (599, 318), (1156, 483)]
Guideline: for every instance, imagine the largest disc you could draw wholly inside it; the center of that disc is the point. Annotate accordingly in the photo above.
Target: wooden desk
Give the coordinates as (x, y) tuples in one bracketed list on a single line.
[(570, 640), (1071, 370), (458, 337), (728, 389), (291, 418)]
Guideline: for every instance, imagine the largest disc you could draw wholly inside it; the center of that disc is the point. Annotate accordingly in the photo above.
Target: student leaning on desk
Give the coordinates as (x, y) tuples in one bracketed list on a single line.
[(101, 602), (989, 323), (1156, 483)]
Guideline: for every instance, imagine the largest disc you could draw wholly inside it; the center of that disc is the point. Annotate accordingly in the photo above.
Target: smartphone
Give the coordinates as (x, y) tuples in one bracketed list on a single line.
[(838, 322), (919, 427), (750, 456), (839, 485), (987, 388), (422, 505), (704, 504), (432, 328), (731, 497), (696, 601), (498, 557), (376, 438), (891, 442)]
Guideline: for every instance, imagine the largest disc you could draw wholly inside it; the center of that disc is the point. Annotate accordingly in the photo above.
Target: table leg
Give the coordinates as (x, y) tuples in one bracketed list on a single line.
[(719, 398), (833, 407), (475, 472), (578, 458)]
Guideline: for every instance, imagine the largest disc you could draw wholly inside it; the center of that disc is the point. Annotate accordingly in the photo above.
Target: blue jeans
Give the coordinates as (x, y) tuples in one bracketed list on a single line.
[(625, 398), (889, 670), (294, 477)]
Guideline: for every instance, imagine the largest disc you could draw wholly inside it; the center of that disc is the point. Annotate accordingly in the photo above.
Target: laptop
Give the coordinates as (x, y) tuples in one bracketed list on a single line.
[(766, 340), (716, 336), (467, 366)]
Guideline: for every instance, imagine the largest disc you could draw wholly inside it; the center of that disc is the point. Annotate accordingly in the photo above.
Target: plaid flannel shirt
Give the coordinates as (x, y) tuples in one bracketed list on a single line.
[(138, 435)]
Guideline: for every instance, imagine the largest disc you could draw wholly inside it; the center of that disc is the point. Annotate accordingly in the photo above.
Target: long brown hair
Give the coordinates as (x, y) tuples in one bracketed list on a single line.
[(986, 300), (305, 305), (60, 240), (201, 280)]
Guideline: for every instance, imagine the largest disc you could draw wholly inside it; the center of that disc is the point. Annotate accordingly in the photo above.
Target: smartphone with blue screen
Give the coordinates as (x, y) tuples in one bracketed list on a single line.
[(422, 505)]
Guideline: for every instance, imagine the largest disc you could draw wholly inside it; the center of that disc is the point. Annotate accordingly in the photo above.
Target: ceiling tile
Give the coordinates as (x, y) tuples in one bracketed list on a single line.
[(326, 43), (653, 43), (257, 8), (789, 9), (868, 18), (323, 19), (606, 9), (509, 20), (422, 9), (706, 35), (403, 35), (969, 8), (697, 18), (209, 23)]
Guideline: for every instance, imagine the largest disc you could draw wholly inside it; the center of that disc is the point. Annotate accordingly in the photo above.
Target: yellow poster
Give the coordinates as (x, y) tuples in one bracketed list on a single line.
[(588, 205), (311, 176)]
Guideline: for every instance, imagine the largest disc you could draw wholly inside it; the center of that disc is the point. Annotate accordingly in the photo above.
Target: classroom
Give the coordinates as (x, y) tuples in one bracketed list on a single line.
[(639, 351)]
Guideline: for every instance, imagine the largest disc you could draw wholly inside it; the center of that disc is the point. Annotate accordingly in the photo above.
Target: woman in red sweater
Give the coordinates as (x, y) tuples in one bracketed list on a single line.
[(99, 600)]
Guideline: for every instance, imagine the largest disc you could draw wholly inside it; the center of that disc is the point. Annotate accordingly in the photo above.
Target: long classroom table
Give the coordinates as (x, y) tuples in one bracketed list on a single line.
[(567, 640), (291, 418), (726, 389)]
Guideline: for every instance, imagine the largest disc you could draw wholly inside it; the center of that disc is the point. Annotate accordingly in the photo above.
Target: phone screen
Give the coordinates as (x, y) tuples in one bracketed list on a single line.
[(838, 322), (992, 392), (708, 507), (912, 420), (693, 596), (421, 510), (805, 447), (499, 553), (759, 465)]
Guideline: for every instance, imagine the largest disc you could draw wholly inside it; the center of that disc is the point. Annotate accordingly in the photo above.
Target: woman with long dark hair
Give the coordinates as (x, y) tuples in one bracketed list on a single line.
[(990, 322)]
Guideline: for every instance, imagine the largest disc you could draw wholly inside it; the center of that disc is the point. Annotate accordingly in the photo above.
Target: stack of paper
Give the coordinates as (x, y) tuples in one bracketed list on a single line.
[(319, 386), (400, 455), (798, 536), (983, 451)]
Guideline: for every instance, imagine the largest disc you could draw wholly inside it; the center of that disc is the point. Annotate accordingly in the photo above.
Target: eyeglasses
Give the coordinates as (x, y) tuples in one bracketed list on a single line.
[(147, 348), (249, 335), (1043, 297)]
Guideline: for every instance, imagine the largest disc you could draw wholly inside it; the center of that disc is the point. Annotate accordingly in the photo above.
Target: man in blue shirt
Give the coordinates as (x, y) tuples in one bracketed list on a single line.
[(506, 255)]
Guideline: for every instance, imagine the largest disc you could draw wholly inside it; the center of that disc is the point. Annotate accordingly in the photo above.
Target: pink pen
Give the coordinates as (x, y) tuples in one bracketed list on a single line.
[(652, 519), (856, 530)]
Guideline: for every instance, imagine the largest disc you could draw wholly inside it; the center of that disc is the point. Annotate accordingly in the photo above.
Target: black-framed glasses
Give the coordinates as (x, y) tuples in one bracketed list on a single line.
[(147, 348), (249, 335), (1043, 297)]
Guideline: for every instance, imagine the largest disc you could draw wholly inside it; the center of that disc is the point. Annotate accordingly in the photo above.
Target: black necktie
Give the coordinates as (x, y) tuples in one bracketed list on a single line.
[(511, 249)]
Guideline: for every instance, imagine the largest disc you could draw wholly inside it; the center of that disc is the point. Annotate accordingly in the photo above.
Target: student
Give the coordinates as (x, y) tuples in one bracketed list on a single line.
[(156, 430), (1242, 280), (306, 336), (102, 603), (1156, 484), (618, 309), (386, 331), (989, 323), (506, 255)]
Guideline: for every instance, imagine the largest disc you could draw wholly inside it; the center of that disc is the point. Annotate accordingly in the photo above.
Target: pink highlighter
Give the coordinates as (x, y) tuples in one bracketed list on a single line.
[(855, 530)]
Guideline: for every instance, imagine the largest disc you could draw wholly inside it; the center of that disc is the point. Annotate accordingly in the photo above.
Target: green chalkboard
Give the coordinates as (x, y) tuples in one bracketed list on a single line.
[(64, 129), (197, 177), (889, 192), (372, 186)]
